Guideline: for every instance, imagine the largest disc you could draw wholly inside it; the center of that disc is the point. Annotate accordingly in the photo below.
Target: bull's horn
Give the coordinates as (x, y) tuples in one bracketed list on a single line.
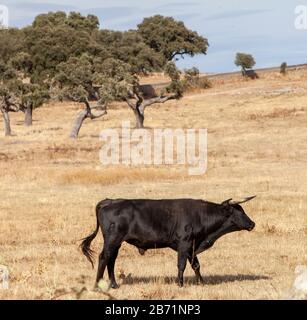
[(242, 200), (226, 202)]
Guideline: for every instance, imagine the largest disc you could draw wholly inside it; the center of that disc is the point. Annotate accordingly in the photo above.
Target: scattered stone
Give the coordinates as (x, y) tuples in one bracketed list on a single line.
[(4, 277), (299, 287)]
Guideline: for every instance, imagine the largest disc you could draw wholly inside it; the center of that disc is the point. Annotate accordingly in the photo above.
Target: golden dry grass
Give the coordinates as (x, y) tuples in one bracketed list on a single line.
[(49, 187)]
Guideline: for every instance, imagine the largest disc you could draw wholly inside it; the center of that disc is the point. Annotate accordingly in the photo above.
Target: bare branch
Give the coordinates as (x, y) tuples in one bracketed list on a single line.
[(87, 106), (10, 109), (149, 102), (97, 106), (8, 106), (181, 53), (93, 116), (139, 98)]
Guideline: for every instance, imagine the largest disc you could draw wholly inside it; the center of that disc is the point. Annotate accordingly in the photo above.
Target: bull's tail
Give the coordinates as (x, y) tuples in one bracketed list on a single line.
[(86, 245), (86, 242)]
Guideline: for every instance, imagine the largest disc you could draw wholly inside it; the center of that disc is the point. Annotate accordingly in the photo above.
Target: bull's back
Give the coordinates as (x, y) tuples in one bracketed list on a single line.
[(152, 209), (149, 223)]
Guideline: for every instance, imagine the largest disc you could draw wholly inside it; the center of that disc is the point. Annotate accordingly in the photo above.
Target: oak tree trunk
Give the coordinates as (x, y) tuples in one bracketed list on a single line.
[(28, 115), (139, 107), (82, 115), (7, 125), (139, 119), (244, 73)]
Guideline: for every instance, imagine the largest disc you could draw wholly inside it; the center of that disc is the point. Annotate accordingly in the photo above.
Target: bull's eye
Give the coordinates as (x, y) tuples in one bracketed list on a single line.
[(229, 213)]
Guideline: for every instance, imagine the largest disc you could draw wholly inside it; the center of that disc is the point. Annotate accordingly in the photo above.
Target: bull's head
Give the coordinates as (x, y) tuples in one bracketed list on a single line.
[(236, 215)]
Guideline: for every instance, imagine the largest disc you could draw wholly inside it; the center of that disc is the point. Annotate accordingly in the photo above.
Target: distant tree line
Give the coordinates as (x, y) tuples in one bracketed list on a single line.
[(247, 62), (68, 57)]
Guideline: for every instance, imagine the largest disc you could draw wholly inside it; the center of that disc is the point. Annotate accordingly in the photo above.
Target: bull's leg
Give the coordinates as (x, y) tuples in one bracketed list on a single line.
[(183, 254), (104, 258), (196, 267), (112, 242), (103, 261), (110, 266)]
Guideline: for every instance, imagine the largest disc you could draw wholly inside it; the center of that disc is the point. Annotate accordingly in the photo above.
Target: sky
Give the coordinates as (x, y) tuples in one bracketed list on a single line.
[(264, 28)]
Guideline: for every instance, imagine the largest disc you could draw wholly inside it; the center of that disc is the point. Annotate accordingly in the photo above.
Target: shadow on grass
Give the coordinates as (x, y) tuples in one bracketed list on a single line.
[(208, 280), (22, 123)]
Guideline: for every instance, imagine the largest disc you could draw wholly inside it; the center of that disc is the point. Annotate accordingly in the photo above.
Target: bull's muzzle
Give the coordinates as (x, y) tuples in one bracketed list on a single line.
[(251, 227)]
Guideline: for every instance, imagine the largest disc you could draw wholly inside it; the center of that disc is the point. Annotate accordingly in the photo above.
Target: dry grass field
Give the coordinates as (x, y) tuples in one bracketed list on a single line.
[(257, 144)]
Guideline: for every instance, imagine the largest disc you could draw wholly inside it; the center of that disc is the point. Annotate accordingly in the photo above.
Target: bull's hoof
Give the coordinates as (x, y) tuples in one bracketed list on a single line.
[(96, 288), (141, 251), (114, 285)]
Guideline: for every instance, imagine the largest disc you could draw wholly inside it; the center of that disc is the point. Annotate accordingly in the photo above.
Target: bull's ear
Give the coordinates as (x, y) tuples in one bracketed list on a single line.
[(226, 203)]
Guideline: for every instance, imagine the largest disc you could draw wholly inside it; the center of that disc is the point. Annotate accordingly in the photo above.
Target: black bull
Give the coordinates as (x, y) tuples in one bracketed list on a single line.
[(185, 225)]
